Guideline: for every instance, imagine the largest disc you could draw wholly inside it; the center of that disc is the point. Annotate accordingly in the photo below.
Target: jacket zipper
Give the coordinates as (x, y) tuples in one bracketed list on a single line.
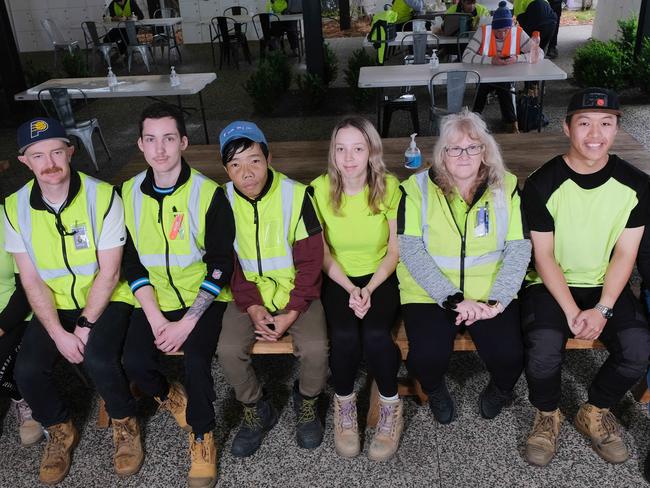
[(169, 273), (256, 221), (463, 243), (62, 233)]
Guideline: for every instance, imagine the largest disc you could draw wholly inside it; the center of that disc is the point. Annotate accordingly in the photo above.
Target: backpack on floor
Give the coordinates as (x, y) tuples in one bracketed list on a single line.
[(528, 112)]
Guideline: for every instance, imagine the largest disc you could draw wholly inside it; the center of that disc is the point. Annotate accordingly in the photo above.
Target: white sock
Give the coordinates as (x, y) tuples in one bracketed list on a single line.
[(345, 398), (388, 399)]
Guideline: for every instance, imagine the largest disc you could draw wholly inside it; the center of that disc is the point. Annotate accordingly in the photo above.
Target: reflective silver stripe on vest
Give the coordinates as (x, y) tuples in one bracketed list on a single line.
[(194, 210), (25, 225), (90, 185), (501, 217), (287, 187), (423, 182)]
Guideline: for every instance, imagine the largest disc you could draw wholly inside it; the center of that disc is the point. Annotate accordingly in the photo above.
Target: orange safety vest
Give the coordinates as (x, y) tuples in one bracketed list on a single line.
[(511, 44)]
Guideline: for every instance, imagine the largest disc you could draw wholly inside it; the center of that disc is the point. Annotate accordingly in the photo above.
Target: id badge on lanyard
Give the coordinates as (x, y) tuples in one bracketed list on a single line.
[(80, 236), (482, 227)]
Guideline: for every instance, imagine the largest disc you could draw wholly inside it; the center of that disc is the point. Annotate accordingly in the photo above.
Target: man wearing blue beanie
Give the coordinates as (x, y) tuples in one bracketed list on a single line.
[(500, 44)]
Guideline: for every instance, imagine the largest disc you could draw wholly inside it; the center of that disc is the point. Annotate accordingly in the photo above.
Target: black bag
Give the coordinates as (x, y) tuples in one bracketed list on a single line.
[(528, 112)]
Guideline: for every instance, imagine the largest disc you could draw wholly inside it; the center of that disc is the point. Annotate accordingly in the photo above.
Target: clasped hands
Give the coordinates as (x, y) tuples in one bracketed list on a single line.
[(586, 324), (170, 336), (469, 311), (360, 301), (270, 328)]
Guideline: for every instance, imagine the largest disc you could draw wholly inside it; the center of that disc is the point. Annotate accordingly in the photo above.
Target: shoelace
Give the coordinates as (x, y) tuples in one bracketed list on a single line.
[(347, 415), (544, 427), (199, 451), (171, 403), (124, 434), (54, 447), (386, 419), (307, 411), (608, 424), (251, 419), (24, 413)]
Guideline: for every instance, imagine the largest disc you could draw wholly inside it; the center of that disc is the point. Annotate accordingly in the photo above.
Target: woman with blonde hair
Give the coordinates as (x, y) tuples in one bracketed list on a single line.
[(357, 203), (463, 257)]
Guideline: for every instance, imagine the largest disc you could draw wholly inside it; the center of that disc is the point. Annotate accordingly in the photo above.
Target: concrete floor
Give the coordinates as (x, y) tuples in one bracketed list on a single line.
[(470, 452)]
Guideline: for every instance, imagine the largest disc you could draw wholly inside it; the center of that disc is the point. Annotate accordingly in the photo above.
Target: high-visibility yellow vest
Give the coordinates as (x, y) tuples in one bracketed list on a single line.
[(170, 237), (266, 229), (470, 261), (62, 246), (481, 11), (7, 270), (277, 7), (123, 11)]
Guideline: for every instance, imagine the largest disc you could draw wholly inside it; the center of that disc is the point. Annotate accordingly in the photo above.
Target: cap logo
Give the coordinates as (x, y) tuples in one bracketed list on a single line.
[(594, 100), (37, 127)]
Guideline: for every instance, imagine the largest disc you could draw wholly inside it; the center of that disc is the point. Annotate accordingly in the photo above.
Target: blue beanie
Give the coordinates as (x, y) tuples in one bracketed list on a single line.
[(502, 17)]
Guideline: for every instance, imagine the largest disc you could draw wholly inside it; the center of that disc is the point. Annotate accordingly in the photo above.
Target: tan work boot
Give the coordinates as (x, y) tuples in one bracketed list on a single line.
[(203, 454), (542, 441), (346, 427), (176, 403), (61, 439), (128, 455), (601, 426), (389, 430), (29, 429)]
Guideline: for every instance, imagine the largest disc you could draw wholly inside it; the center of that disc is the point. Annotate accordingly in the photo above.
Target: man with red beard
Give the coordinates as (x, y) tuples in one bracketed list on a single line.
[(66, 232)]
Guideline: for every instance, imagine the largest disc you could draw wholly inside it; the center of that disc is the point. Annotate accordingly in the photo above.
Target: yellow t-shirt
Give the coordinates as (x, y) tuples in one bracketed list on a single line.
[(357, 238)]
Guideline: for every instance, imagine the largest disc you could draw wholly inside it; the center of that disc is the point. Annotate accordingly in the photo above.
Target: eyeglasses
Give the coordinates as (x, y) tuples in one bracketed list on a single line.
[(473, 150)]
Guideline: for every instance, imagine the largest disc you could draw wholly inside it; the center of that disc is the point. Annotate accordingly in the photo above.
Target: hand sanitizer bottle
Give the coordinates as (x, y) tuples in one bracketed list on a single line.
[(111, 79), (412, 156), (434, 62), (174, 79)]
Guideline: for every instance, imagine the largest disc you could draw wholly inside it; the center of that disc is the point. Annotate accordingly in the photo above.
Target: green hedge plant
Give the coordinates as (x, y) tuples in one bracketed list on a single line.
[(359, 59), (269, 82)]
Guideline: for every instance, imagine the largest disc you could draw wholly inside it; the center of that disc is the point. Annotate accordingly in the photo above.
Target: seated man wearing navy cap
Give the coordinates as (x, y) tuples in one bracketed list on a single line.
[(586, 210), (276, 286), (66, 232), (178, 262)]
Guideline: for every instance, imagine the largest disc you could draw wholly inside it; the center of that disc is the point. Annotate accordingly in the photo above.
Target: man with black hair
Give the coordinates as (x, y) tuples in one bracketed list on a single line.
[(276, 286), (178, 261), (586, 210)]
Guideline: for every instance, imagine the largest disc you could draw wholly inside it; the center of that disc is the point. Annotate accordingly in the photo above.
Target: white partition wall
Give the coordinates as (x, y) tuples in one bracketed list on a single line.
[(607, 14)]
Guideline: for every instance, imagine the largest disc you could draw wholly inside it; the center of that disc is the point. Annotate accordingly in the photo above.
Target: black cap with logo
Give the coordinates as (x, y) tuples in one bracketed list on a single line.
[(594, 100)]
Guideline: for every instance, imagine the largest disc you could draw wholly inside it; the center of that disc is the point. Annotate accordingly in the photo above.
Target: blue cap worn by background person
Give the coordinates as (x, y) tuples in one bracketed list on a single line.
[(241, 129), (502, 17), (39, 129)]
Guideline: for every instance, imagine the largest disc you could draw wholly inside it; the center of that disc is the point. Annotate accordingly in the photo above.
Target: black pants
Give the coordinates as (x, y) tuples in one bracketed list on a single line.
[(431, 331), (102, 361), (9, 347), (350, 336), (556, 5), (142, 362), (545, 328), (504, 94), (118, 36), (290, 27)]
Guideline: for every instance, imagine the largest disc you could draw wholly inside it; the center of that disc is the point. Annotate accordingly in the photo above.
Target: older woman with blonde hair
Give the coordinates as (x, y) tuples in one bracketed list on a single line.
[(463, 257), (357, 203)]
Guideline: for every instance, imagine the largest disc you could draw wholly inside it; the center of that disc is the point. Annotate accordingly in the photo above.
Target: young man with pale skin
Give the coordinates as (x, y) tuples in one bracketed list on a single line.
[(276, 287), (178, 261), (586, 211), (66, 232)]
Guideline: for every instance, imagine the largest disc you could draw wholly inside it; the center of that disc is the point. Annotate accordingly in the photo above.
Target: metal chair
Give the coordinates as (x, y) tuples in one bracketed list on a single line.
[(420, 46), (56, 38), (237, 10), (133, 45), (267, 39), (95, 44), (460, 46), (82, 130), (166, 36), (456, 82), (222, 30)]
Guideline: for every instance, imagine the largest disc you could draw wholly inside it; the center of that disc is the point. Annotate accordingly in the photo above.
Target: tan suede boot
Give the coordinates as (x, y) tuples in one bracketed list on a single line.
[(600, 425), (29, 429), (389, 430), (542, 441), (346, 427), (176, 403), (62, 438), (128, 456), (203, 454)]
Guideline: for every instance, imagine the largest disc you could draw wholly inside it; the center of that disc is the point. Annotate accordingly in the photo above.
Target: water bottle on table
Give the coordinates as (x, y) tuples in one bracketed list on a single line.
[(412, 156), (111, 79), (534, 49)]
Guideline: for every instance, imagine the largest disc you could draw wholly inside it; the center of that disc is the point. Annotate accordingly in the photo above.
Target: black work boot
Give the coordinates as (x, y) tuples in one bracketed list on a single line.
[(492, 400), (441, 404), (309, 430), (258, 419)]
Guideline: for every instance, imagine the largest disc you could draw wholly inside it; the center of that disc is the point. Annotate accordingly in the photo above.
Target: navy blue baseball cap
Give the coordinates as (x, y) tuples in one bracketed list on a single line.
[(39, 129), (241, 129)]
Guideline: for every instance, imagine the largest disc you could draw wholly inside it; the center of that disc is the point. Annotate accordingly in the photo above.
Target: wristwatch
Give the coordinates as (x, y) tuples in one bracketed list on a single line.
[(606, 312), (493, 303), (453, 300), (83, 322)]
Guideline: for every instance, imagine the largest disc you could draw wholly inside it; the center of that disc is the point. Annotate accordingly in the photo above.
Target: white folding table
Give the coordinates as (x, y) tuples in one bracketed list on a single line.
[(151, 86)]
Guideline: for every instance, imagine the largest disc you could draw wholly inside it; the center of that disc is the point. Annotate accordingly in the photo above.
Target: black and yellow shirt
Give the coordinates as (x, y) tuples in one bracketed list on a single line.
[(586, 212)]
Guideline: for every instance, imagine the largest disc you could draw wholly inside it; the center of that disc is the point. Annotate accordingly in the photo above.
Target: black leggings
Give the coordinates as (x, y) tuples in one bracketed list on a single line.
[(431, 331), (504, 94), (349, 335), (9, 347), (545, 328)]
